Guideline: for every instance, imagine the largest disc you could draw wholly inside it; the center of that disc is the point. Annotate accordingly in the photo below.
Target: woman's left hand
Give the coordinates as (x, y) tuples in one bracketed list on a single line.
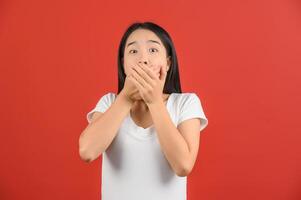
[(150, 86)]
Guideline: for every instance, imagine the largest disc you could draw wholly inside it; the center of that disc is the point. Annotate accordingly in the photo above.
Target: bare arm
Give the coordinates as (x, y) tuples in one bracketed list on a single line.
[(99, 134), (171, 141)]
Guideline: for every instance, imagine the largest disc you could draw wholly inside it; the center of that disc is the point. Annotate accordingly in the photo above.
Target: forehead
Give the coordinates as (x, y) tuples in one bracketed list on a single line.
[(142, 35)]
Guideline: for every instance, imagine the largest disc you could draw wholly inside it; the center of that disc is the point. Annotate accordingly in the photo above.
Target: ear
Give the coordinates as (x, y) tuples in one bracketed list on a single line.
[(168, 62)]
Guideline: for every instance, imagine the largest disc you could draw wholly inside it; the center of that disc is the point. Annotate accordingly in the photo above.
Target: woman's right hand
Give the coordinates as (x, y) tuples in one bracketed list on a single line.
[(130, 91)]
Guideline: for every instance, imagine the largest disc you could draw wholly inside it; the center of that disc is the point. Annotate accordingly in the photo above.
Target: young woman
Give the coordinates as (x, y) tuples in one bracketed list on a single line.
[(148, 133)]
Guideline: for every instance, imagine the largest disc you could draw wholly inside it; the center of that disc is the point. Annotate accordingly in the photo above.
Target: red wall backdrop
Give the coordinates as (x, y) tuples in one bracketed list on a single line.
[(242, 58)]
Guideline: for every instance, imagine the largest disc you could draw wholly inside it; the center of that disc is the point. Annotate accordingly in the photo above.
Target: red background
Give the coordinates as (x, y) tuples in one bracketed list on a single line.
[(242, 58)]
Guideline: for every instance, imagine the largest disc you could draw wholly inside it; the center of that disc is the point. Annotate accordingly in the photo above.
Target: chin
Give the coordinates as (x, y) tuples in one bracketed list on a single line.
[(138, 98)]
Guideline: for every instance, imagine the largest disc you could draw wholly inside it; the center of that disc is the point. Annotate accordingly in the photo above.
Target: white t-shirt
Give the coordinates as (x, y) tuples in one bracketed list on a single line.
[(134, 166)]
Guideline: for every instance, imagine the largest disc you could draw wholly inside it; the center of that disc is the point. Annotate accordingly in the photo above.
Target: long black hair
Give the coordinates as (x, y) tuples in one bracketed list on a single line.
[(172, 82)]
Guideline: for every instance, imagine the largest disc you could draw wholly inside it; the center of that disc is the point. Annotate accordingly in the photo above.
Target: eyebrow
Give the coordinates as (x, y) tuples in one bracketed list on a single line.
[(154, 41)]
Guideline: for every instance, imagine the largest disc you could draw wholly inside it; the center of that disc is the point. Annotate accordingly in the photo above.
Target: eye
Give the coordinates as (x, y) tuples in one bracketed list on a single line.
[(132, 50), (154, 49)]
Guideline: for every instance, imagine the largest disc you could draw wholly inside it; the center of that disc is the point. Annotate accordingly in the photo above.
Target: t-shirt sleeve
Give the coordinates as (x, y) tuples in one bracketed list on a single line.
[(102, 105), (191, 107)]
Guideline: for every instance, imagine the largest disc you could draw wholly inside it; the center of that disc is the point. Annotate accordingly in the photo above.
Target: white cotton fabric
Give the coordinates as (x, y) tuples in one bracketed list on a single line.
[(134, 166)]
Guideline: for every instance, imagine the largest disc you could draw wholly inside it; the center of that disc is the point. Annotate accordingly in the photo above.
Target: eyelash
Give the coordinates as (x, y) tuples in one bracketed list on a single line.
[(151, 48)]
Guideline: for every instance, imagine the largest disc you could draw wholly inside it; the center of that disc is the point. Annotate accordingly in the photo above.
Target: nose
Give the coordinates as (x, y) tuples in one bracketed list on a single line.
[(145, 62)]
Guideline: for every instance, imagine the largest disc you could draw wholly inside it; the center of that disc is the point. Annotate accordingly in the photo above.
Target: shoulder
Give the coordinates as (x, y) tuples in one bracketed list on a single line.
[(187, 97), (107, 98), (189, 106), (109, 95)]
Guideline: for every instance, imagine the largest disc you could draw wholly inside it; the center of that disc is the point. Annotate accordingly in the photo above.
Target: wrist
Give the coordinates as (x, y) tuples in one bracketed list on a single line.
[(125, 99), (156, 104)]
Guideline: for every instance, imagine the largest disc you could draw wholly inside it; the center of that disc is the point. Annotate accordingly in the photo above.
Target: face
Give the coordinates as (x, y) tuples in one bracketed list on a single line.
[(145, 46)]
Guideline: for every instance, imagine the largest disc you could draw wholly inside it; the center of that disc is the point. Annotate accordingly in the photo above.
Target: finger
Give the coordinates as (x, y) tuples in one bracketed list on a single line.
[(148, 71), (143, 74), (137, 83), (141, 80), (163, 73)]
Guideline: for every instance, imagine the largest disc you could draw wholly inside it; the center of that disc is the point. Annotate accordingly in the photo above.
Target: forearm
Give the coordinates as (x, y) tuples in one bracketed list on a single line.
[(99, 134), (172, 142)]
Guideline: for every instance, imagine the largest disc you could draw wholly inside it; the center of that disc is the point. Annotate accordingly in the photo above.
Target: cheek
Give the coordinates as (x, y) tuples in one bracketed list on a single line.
[(156, 67), (128, 68), (127, 63)]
